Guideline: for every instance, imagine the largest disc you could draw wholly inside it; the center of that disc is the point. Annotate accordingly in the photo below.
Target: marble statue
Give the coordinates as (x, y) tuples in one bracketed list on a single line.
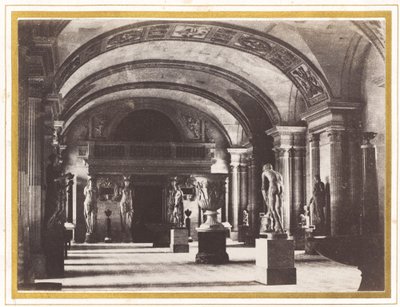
[(317, 204), (90, 206), (245, 220), (272, 191), (175, 204), (126, 210)]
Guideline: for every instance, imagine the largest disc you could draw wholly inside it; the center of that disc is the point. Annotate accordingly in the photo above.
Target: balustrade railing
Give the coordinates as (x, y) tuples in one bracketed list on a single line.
[(127, 150)]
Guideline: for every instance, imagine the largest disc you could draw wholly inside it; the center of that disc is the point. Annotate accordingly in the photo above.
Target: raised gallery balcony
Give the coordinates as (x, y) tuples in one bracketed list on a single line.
[(153, 157)]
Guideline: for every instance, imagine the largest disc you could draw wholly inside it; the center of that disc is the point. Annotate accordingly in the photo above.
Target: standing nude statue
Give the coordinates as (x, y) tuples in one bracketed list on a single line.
[(90, 207), (126, 210), (272, 190)]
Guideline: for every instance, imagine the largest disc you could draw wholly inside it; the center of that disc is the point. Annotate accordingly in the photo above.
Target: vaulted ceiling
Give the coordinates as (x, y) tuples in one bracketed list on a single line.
[(246, 74)]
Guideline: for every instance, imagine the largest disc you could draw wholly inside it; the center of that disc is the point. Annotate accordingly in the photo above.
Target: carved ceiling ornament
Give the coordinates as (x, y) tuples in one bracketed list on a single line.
[(193, 124), (254, 44), (208, 132), (268, 48), (98, 125), (125, 38), (190, 31), (310, 87), (158, 31)]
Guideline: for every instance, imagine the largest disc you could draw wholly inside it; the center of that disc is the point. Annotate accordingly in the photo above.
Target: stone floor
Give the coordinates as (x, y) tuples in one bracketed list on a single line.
[(140, 267)]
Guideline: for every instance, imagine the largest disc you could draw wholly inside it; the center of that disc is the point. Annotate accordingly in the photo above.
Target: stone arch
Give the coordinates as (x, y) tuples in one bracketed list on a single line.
[(240, 117), (289, 61), (260, 97)]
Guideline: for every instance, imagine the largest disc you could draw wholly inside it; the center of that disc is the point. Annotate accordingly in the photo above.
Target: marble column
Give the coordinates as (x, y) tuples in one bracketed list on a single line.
[(355, 182), (314, 157), (35, 185), (252, 206), (69, 197), (243, 186), (337, 187), (370, 203), (298, 191), (234, 190), (234, 197)]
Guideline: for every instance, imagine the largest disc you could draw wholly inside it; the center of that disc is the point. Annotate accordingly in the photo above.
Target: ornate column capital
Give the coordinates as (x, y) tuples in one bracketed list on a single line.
[(367, 137), (314, 138), (288, 135), (335, 135), (237, 155)]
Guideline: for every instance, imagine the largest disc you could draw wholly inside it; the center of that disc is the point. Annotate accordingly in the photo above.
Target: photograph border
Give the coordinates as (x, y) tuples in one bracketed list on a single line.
[(382, 14)]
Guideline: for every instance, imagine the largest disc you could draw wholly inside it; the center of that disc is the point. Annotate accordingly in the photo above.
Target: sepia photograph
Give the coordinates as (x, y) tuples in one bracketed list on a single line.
[(201, 155)]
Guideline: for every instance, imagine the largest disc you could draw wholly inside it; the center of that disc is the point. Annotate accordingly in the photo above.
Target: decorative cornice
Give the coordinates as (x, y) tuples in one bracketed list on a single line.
[(286, 130), (290, 61), (318, 112), (287, 137)]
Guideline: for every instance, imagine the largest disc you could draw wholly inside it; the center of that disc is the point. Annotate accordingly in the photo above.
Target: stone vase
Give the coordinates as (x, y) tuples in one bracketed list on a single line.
[(210, 193)]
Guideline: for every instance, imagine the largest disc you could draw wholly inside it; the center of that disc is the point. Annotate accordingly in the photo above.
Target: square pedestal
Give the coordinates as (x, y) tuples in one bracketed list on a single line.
[(179, 240), (161, 235), (54, 251), (228, 228), (275, 261), (243, 233), (212, 247), (309, 246)]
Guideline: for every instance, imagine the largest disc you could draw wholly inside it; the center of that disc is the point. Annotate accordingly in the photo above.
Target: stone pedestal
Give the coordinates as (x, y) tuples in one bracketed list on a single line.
[(275, 261), (179, 240), (212, 246), (243, 233), (54, 244), (309, 244), (228, 228), (234, 235), (90, 238), (161, 235)]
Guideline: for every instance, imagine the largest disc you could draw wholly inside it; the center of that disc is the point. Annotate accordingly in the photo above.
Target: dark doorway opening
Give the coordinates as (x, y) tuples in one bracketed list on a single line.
[(147, 211)]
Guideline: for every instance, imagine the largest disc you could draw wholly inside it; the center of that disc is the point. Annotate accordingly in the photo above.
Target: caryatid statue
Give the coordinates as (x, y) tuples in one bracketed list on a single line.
[(175, 204), (126, 209), (90, 206), (272, 191)]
